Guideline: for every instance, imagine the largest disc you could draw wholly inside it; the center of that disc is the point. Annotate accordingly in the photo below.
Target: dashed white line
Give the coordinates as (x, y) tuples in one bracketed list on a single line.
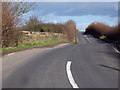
[(69, 74), (88, 39), (115, 49)]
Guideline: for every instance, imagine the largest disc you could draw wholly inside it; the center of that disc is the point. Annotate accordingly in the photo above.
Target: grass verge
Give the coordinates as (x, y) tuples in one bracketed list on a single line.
[(117, 42), (27, 46), (74, 40)]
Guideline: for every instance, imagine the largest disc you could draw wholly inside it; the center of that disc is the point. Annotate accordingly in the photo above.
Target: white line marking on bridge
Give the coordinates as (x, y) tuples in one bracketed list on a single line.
[(88, 39), (69, 74), (115, 49)]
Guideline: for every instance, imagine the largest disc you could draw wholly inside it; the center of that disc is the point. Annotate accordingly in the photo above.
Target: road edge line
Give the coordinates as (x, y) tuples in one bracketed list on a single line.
[(88, 39), (10, 54), (70, 76), (115, 49)]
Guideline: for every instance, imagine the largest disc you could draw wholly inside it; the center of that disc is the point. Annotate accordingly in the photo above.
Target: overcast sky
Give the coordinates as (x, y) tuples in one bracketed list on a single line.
[(83, 13)]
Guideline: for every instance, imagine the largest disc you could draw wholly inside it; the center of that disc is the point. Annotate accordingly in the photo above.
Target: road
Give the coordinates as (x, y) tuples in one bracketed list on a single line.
[(92, 64)]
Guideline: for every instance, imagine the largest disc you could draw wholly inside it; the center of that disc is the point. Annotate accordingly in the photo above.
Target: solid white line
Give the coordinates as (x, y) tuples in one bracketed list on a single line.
[(69, 74), (115, 49), (10, 54), (88, 39)]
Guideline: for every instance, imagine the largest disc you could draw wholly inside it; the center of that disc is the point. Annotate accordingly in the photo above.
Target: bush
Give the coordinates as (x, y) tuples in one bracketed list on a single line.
[(99, 29), (102, 37), (105, 32), (68, 28), (11, 13)]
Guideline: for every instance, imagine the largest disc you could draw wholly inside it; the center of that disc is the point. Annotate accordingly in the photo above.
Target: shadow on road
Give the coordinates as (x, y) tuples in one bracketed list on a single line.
[(109, 67), (108, 52)]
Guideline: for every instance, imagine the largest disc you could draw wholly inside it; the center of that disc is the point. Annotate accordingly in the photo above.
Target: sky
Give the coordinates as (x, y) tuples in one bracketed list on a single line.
[(83, 13)]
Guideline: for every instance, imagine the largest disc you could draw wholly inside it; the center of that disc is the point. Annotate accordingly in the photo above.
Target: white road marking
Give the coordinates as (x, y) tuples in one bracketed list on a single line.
[(61, 45), (10, 54), (77, 40), (115, 49), (69, 74), (88, 39)]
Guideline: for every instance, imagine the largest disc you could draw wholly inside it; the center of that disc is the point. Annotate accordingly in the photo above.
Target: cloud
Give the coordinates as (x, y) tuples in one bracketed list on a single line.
[(76, 8), (82, 13), (115, 6), (83, 21), (54, 21)]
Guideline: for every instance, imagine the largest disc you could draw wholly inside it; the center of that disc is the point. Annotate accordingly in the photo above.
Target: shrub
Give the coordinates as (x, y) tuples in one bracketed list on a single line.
[(105, 32), (99, 29), (11, 14), (68, 28)]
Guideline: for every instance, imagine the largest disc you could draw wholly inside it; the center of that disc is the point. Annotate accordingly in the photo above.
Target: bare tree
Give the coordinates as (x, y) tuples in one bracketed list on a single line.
[(32, 23), (11, 16), (69, 28), (71, 22)]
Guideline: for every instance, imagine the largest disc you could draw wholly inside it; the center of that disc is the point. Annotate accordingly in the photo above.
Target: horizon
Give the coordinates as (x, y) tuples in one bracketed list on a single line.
[(83, 13)]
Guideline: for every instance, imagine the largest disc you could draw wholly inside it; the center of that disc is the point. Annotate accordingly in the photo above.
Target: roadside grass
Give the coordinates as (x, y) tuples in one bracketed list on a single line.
[(52, 42), (40, 44), (74, 40), (102, 37), (117, 42)]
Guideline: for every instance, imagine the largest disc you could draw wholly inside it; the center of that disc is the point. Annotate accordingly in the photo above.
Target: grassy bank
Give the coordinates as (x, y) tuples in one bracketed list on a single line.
[(117, 42), (74, 40), (40, 44)]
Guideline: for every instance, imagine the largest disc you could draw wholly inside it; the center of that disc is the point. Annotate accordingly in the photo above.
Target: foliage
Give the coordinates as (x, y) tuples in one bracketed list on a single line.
[(11, 14), (105, 32), (34, 25), (74, 40), (40, 44), (102, 37), (68, 28), (71, 22), (100, 29), (11, 18)]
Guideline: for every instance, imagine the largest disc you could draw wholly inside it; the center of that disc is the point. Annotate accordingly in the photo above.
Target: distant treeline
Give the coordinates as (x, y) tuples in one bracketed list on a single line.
[(111, 34), (34, 25)]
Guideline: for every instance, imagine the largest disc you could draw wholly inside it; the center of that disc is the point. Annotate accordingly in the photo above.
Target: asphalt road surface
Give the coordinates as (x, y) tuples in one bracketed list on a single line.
[(89, 64)]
